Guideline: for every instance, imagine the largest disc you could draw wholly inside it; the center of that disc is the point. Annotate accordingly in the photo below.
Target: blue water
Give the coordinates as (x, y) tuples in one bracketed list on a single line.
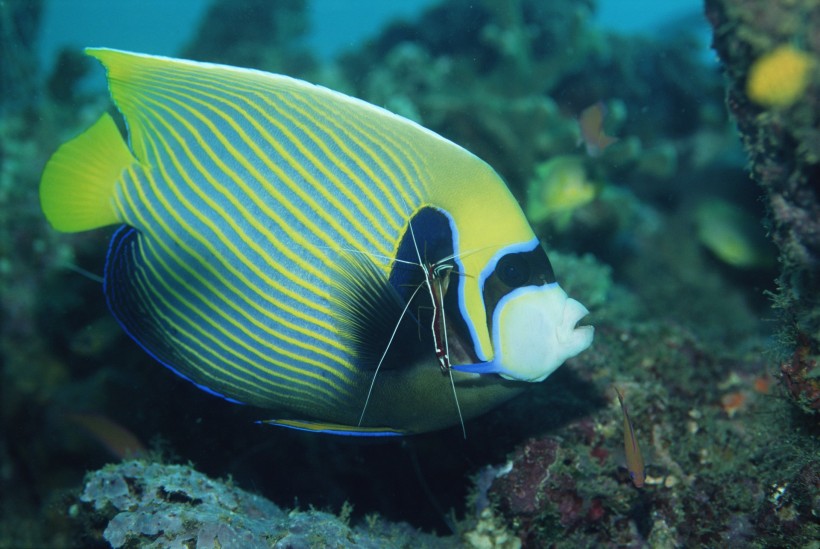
[(163, 27)]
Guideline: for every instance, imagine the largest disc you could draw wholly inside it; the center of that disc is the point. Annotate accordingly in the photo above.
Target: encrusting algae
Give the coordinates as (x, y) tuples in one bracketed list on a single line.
[(779, 78)]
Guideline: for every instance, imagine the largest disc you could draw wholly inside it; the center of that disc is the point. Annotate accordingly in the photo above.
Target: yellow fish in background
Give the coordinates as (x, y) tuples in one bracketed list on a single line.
[(560, 186), (276, 235)]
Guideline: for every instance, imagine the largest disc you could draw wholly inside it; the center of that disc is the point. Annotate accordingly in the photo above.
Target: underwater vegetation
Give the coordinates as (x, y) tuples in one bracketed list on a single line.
[(658, 234), (770, 50)]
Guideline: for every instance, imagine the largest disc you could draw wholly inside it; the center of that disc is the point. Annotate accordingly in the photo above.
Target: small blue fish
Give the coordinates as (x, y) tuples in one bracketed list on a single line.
[(268, 227)]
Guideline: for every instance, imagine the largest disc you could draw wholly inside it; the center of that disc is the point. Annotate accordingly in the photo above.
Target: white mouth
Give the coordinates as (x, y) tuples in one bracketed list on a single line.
[(537, 332), (568, 333)]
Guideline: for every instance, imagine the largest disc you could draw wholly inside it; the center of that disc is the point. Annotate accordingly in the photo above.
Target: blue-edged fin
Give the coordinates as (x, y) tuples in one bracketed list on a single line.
[(128, 301), (335, 429), (77, 188)]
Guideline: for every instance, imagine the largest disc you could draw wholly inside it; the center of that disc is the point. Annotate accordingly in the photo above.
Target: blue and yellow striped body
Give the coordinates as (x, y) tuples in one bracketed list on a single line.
[(250, 202)]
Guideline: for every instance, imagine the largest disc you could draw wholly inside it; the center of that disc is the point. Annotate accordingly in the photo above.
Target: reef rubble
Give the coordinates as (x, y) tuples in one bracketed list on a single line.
[(144, 504)]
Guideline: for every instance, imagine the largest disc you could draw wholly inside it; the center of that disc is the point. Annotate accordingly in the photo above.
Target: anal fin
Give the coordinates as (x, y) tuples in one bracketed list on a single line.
[(335, 428)]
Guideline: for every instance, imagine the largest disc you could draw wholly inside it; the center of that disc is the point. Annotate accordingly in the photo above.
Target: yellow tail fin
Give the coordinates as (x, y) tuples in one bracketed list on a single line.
[(77, 187)]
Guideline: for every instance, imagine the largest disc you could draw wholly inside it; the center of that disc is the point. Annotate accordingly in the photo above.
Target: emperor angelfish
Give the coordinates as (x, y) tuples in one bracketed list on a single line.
[(289, 247)]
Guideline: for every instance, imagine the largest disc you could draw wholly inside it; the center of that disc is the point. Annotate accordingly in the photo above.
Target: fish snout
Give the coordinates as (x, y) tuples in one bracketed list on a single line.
[(568, 333), (535, 331)]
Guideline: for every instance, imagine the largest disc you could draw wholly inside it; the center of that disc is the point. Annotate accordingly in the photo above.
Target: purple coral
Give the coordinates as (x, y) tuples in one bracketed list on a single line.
[(540, 489)]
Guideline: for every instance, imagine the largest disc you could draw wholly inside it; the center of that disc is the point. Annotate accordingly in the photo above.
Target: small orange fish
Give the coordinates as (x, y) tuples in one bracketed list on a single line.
[(118, 440), (634, 459), (591, 123)]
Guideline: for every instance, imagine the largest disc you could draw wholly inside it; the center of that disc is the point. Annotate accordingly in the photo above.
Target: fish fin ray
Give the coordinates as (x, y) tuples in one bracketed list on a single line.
[(369, 309), (78, 184)]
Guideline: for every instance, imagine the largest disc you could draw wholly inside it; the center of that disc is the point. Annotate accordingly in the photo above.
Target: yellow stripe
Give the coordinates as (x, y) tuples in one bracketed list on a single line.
[(379, 137), (264, 254), (230, 302), (370, 131), (248, 262), (142, 198), (167, 305), (420, 177), (348, 153), (265, 93), (264, 96), (363, 209), (317, 209), (340, 186), (134, 108), (334, 428), (194, 274), (149, 292)]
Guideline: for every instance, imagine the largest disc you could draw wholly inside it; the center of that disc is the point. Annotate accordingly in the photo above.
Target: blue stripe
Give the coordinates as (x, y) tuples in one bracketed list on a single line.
[(292, 156), (278, 106), (113, 278), (193, 287)]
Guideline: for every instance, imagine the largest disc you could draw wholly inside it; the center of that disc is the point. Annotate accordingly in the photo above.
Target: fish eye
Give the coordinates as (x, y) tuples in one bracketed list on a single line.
[(513, 270)]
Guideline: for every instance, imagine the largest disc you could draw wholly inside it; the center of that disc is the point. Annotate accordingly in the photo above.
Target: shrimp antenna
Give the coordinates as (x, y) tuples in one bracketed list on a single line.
[(458, 406), (431, 276)]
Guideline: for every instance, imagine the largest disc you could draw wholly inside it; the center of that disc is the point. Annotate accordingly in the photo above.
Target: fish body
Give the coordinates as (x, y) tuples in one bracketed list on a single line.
[(118, 440), (559, 187), (267, 227), (634, 458), (591, 124)]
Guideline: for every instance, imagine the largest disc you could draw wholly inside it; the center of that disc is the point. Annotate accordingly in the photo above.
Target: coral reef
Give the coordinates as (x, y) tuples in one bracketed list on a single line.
[(140, 504), (682, 325), (511, 78), (770, 55), (691, 409)]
